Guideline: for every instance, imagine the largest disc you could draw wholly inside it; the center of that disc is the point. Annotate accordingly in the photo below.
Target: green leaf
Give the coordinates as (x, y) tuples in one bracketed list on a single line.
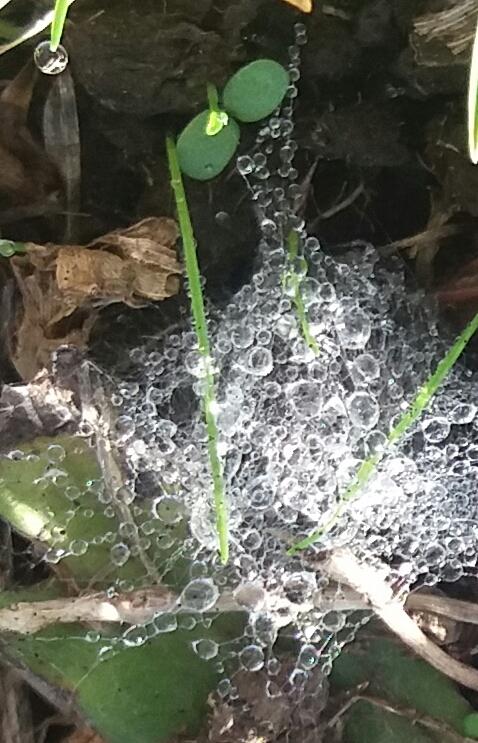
[(217, 121), (9, 248), (202, 156), (366, 723), (47, 493), (470, 726), (143, 694), (256, 90), (401, 679)]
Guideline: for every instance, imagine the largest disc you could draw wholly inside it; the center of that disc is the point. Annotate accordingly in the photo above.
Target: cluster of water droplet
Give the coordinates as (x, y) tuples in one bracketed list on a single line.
[(294, 425)]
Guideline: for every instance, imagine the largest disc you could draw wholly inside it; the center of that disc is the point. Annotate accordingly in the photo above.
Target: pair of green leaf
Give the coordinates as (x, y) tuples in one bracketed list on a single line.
[(252, 93)]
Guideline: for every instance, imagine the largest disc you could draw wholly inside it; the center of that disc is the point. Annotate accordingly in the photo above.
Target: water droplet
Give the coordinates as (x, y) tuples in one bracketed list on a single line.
[(199, 595), (363, 410), (50, 62), (252, 658), (206, 649), (120, 554)]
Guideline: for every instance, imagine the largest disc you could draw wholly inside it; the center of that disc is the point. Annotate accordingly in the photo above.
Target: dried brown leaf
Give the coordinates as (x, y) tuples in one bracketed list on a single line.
[(304, 5), (62, 288)]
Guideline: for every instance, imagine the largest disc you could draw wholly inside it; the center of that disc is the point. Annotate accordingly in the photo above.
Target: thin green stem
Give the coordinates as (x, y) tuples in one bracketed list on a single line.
[(212, 97), (58, 22), (217, 119), (294, 282), (406, 420), (200, 326)]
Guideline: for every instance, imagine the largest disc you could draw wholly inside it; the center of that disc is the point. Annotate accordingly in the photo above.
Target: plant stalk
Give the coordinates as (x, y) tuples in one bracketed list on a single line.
[(406, 420), (200, 326), (58, 23), (294, 282)]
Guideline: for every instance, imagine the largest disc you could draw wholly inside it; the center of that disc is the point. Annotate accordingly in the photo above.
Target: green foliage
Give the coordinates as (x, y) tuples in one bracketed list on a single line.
[(200, 326), (256, 90), (208, 142), (367, 723), (202, 156), (406, 420), (470, 725), (44, 495), (144, 694), (404, 682), (9, 248)]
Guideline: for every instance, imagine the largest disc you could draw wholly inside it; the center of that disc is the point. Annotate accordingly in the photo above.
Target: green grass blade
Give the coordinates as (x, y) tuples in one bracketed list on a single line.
[(406, 420), (58, 22), (472, 103), (293, 280), (200, 325)]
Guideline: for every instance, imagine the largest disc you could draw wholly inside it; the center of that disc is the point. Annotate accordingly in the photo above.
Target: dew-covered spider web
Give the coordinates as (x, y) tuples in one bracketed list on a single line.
[(294, 425)]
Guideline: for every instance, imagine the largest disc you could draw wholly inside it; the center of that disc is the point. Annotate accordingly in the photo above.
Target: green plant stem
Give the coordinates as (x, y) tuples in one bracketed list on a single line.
[(58, 22), (406, 420), (213, 98), (200, 326), (294, 282)]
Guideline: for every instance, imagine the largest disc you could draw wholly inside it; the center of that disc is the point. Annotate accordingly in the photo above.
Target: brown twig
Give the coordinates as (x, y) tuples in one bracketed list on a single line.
[(136, 607), (460, 611), (372, 585)]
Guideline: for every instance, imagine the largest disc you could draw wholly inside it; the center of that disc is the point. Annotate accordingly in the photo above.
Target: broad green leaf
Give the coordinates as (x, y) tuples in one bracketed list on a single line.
[(143, 694), (402, 679), (202, 156), (470, 726), (366, 723), (256, 90), (50, 493)]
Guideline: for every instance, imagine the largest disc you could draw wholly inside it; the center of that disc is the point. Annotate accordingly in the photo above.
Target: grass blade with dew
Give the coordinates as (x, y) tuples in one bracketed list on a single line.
[(406, 420), (200, 326), (472, 103), (58, 23), (294, 281)]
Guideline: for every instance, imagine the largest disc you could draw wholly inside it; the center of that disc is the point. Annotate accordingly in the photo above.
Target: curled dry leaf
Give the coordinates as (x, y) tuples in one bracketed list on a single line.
[(304, 5), (63, 287)]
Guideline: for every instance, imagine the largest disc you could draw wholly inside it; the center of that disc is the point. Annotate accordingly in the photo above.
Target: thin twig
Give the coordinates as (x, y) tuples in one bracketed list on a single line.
[(371, 584), (460, 611), (136, 607)]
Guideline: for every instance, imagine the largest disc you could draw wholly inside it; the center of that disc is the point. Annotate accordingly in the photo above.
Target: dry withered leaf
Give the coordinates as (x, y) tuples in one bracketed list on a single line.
[(304, 5), (28, 177), (63, 287)]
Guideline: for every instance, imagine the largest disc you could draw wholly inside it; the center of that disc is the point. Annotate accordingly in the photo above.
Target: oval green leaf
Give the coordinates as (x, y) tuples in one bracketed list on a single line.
[(203, 156), (256, 90)]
